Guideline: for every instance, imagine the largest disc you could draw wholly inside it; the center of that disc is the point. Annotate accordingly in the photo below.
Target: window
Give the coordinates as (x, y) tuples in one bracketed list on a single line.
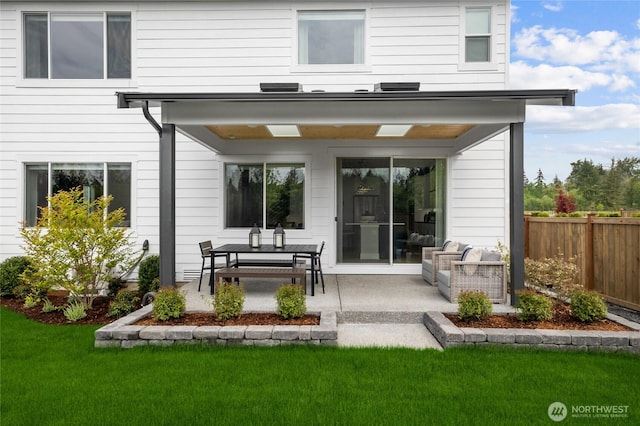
[(264, 193), (478, 35), (331, 37), (49, 178), (77, 45)]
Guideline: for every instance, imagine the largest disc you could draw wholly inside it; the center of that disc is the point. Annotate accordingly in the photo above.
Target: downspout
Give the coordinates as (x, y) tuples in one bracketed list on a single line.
[(150, 119)]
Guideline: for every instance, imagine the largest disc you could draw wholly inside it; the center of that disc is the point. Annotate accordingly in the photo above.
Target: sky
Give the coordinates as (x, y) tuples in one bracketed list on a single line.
[(590, 46)]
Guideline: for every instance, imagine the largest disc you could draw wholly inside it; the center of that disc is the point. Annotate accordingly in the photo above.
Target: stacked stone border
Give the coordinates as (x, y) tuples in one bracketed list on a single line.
[(122, 333), (448, 334)]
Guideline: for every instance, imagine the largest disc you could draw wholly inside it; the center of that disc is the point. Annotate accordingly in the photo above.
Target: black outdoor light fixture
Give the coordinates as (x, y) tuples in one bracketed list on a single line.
[(278, 236), (255, 237)]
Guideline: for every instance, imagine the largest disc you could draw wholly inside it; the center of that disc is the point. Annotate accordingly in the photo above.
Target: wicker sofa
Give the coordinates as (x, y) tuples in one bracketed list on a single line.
[(488, 274), (435, 259)]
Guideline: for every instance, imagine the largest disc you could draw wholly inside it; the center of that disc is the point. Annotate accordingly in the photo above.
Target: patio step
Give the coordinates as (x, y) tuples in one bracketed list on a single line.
[(384, 329), (369, 317)]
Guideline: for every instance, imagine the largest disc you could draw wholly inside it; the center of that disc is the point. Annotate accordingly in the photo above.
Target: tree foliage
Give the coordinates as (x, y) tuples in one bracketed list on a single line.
[(592, 187), (77, 245)]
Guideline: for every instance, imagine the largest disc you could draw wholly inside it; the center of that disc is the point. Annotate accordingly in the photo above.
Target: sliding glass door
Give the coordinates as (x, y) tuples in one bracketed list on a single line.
[(388, 209)]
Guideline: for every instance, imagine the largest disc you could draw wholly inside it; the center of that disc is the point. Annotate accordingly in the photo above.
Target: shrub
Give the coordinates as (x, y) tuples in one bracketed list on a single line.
[(48, 306), (587, 306), (11, 270), (637, 214), (169, 303), (291, 301), (555, 272), (533, 306), (149, 274), (77, 244), (473, 305), (75, 311), (115, 285), (228, 300), (31, 301), (123, 304)]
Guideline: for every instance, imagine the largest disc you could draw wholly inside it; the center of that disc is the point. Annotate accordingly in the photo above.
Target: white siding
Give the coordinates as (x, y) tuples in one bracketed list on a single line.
[(233, 46)]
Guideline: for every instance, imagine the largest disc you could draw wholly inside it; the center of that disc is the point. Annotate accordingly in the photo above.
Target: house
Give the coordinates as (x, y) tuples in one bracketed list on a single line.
[(377, 126)]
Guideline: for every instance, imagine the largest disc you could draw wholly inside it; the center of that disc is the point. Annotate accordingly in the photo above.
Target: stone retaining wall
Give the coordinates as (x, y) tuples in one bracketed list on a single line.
[(448, 334), (122, 333)]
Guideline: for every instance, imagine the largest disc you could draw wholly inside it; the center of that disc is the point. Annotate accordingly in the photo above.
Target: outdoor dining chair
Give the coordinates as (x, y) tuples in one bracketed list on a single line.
[(314, 259), (205, 249)]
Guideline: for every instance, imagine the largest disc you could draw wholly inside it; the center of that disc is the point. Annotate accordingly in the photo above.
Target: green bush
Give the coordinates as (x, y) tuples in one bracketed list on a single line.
[(533, 306), (48, 306), (587, 306), (576, 214), (115, 285), (169, 303), (637, 214), (75, 311), (609, 214), (473, 305), (78, 244), (228, 300), (149, 274), (11, 270), (291, 301), (123, 304)]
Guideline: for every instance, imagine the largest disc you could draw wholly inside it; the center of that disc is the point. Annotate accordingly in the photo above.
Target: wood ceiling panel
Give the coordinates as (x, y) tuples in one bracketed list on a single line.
[(349, 132), (438, 131)]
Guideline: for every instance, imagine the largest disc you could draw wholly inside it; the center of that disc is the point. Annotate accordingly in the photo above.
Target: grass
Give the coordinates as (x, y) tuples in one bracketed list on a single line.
[(52, 375)]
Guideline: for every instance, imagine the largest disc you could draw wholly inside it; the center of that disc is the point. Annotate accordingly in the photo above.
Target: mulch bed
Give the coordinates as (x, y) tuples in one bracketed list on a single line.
[(97, 315), (561, 320)]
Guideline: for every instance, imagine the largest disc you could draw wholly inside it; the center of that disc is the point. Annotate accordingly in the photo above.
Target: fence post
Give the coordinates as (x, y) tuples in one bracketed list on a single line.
[(589, 283), (526, 235)]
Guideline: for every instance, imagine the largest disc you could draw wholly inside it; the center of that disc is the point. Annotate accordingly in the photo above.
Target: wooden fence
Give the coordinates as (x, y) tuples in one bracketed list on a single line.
[(607, 251)]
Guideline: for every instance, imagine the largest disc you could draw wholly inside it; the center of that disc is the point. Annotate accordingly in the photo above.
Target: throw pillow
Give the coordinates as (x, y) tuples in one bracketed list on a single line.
[(474, 255), (490, 256), (451, 247), (446, 243), (466, 250)]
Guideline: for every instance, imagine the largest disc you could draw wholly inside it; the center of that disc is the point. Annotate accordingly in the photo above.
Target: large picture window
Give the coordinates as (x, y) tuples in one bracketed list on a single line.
[(77, 45), (95, 179), (264, 194), (331, 37)]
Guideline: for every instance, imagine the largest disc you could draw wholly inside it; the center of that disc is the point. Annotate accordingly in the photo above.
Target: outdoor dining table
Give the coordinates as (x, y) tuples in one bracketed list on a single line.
[(227, 250)]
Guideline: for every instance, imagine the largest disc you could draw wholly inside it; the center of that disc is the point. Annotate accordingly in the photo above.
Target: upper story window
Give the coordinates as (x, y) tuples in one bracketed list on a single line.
[(77, 45), (478, 35), (331, 37)]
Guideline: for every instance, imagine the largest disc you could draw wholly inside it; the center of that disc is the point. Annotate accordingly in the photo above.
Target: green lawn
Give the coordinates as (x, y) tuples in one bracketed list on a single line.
[(52, 375)]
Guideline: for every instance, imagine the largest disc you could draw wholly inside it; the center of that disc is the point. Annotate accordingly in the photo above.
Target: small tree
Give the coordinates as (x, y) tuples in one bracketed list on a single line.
[(565, 203), (77, 244)]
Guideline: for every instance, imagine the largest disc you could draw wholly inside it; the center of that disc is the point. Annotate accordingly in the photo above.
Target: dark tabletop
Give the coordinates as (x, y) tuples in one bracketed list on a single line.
[(266, 248)]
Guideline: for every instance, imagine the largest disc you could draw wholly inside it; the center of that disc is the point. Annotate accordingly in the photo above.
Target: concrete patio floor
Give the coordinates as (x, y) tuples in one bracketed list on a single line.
[(372, 310)]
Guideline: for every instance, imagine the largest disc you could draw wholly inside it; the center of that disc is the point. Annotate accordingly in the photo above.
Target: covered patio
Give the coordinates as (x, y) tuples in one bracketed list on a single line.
[(446, 123)]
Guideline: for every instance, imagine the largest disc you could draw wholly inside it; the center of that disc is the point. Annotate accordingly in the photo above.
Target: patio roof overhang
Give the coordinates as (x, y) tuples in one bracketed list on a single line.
[(455, 120)]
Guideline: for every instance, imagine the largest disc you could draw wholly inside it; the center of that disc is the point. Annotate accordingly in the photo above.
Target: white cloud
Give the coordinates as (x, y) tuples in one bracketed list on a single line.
[(605, 50), (553, 7), (525, 76), (546, 119)]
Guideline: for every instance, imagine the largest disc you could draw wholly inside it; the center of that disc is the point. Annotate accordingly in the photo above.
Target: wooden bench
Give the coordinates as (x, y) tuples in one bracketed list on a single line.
[(297, 272), (274, 263)]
